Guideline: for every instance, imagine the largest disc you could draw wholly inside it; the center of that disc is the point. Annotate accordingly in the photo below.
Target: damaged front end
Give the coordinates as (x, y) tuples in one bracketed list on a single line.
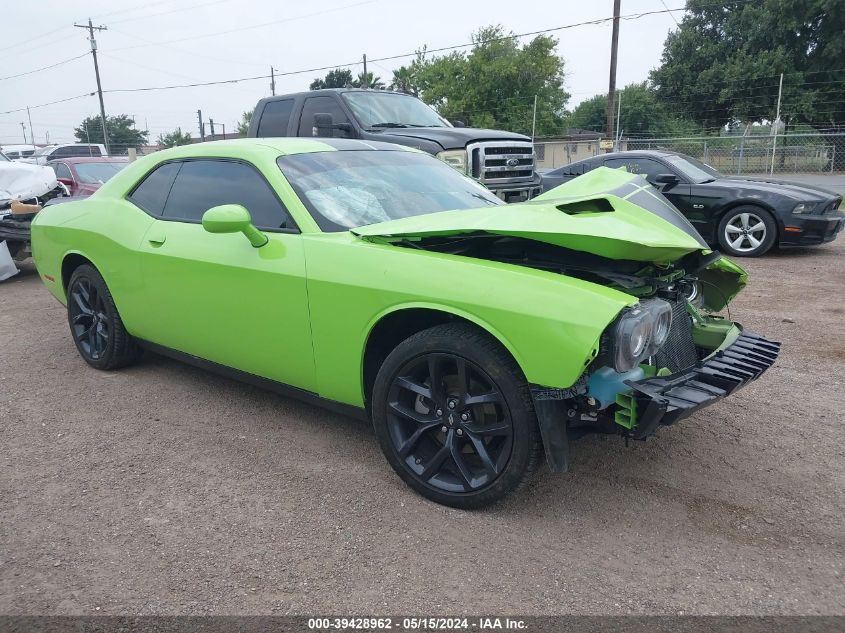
[(664, 356)]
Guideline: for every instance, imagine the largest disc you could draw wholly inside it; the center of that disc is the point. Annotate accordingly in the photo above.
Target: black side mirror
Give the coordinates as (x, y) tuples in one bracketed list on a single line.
[(666, 179), (323, 125), (457, 123)]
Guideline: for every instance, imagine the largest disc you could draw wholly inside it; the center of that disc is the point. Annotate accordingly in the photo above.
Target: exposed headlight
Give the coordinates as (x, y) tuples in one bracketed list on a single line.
[(804, 208), (640, 332), (456, 158)]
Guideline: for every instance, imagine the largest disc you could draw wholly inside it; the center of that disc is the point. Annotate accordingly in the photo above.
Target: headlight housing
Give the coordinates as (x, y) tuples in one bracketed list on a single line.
[(804, 208), (456, 158), (640, 332)]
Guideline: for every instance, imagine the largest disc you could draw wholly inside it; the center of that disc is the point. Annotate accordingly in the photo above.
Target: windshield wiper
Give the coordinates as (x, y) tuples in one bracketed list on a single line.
[(389, 125)]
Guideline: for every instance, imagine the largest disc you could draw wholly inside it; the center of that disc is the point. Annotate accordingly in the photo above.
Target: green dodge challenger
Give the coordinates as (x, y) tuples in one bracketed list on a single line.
[(377, 280)]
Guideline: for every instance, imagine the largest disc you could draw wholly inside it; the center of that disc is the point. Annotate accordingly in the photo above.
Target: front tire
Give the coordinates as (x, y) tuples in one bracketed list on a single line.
[(453, 415), (95, 324), (747, 231)]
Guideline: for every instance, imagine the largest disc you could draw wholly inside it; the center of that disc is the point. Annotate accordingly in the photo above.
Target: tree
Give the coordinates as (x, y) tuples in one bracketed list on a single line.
[(368, 81), (243, 124), (174, 138), (722, 66), (494, 84), (337, 78), (404, 80), (121, 129), (641, 114)]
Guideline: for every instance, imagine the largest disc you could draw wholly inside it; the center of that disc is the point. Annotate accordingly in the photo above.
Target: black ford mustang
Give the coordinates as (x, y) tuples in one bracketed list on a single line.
[(742, 216)]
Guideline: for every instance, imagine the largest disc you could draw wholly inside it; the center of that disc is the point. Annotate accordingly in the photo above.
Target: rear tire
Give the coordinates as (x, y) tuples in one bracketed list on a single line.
[(95, 324), (454, 417), (747, 231)]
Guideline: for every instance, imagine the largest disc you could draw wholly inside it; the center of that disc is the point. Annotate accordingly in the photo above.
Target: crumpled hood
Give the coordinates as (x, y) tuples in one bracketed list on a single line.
[(20, 181), (594, 213)]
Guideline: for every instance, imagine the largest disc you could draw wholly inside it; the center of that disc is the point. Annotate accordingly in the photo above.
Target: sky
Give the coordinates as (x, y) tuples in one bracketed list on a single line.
[(168, 42)]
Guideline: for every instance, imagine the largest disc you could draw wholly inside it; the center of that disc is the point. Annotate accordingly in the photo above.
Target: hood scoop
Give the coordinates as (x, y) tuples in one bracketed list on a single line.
[(592, 205)]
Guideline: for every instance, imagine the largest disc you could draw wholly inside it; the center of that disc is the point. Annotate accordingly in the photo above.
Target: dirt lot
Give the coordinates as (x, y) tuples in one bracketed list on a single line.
[(163, 489)]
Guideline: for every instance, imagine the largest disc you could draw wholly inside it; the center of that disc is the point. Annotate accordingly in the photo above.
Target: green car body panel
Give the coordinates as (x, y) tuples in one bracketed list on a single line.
[(299, 310)]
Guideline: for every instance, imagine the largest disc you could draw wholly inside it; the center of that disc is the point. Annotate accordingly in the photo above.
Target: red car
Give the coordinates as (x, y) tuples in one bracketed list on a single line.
[(84, 175)]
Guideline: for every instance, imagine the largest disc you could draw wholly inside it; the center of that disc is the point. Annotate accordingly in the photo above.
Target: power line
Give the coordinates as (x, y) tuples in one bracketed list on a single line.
[(35, 37), (43, 105), (155, 15), (30, 72)]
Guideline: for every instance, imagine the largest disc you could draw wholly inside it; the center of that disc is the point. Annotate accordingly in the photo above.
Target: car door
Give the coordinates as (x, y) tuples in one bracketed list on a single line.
[(215, 296)]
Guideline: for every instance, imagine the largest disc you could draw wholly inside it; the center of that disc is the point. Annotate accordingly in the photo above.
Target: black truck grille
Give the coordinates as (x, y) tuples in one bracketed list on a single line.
[(678, 353)]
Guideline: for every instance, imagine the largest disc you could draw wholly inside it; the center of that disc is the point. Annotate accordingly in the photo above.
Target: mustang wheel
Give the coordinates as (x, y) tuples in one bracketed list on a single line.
[(747, 231), (95, 324), (453, 415)]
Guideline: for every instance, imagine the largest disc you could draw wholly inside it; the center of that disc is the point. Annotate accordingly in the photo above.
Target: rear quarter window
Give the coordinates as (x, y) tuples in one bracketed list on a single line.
[(151, 193), (275, 118)]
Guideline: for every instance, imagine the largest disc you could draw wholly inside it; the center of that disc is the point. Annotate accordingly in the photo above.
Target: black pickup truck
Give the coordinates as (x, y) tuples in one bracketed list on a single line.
[(502, 161)]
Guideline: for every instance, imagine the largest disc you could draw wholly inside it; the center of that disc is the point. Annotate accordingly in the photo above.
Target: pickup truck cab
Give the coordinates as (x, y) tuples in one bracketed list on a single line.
[(502, 161)]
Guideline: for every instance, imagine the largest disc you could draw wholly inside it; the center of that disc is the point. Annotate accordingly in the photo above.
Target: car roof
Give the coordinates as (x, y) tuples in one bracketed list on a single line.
[(327, 91), (278, 145), (91, 159)]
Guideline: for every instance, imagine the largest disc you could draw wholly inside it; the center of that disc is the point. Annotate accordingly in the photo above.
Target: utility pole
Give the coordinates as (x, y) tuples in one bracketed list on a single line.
[(618, 122), (366, 79), (272, 81), (31, 131), (91, 28), (614, 46), (23, 129), (775, 127), (224, 131), (534, 120), (211, 122), (202, 127)]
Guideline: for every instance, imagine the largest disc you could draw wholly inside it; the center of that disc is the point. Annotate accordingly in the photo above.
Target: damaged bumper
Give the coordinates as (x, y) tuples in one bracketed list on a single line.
[(664, 400)]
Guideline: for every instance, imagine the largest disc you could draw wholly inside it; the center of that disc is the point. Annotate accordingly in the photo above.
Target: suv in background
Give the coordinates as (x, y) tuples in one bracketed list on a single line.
[(502, 161), (15, 152), (69, 150)]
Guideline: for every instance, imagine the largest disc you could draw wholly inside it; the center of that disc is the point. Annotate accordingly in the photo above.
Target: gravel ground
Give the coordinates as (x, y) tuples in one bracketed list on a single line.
[(162, 489)]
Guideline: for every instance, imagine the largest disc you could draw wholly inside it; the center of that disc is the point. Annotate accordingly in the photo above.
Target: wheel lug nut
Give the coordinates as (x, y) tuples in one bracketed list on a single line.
[(439, 412), (464, 416), (460, 432), (451, 404), (444, 428)]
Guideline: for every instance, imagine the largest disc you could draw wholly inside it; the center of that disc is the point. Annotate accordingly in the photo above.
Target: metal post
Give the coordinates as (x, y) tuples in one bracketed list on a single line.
[(705, 151), (534, 120), (611, 89), (618, 121), (91, 28), (366, 79), (272, 81), (211, 123), (202, 127), (31, 130), (741, 151), (777, 122), (224, 131), (23, 129)]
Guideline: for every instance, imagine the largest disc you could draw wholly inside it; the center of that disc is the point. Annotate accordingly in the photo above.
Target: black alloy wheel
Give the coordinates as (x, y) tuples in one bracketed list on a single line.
[(95, 324), (452, 413), (89, 321), (449, 423)]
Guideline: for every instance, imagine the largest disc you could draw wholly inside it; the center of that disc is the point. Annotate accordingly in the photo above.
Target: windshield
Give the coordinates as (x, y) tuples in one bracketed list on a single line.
[(348, 189), (386, 109), (693, 168), (97, 173)]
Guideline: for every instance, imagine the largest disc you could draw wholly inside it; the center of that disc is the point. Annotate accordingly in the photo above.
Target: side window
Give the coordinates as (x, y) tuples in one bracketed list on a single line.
[(202, 184), (320, 105), (643, 166), (275, 118), (62, 171), (59, 152), (92, 150), (152, 193)]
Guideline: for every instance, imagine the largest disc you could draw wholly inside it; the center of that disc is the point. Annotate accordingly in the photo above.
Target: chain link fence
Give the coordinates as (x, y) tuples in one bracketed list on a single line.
[(740, 155)]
